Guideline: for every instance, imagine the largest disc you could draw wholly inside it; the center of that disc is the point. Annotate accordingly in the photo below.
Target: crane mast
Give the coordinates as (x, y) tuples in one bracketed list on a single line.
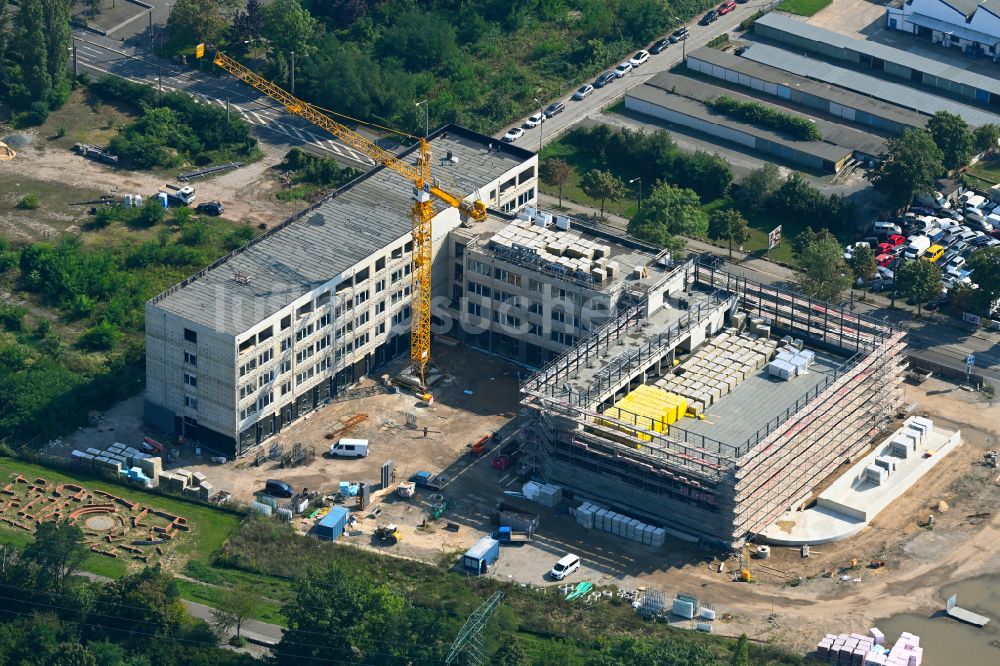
[(423, 208)]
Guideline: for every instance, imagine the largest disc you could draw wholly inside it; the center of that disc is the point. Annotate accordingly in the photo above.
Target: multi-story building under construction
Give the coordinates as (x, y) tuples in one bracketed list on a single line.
[(747, 442)]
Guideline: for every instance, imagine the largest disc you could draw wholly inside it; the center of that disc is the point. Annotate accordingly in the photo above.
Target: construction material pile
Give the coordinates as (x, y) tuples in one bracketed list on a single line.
[(546, 494), (790, 362), (546, 240), (118, 459), (594, 517), (904, 444), (648, 408), (717, 368), (860, 650)]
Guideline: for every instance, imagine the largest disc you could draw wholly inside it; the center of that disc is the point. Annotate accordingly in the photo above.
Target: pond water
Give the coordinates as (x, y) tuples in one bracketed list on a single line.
[(948, 642)]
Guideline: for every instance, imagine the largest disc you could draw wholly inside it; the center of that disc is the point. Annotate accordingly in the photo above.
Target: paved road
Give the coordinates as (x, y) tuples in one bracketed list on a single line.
[(99, 56), (613, 92)]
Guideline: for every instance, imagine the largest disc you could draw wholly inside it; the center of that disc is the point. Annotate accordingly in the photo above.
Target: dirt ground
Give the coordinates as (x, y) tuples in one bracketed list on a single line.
[(778, 606)]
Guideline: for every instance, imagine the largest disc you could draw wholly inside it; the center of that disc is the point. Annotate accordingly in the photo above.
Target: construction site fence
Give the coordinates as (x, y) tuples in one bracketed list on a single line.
[(975, 379)]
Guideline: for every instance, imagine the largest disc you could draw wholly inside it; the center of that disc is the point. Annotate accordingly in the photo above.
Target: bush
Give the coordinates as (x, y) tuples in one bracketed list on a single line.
[(28, 202), (766, 116), (36, 114), (12, 317), (103, 337)]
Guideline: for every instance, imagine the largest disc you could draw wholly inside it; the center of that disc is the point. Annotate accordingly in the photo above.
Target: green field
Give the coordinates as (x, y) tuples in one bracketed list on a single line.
[(803, 7)]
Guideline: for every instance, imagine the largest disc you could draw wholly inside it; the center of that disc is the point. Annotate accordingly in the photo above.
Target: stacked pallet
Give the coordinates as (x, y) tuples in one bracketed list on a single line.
[(717, 368), (860, 650), (592, 516), (648, 408), (791, 362), (551, 240)]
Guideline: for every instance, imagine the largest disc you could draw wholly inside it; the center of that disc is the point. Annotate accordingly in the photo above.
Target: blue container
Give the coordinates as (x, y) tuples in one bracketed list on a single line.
[(333, 523), (345, 488)]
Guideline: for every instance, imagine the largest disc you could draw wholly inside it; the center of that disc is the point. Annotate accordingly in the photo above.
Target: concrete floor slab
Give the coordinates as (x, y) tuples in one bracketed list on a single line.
[(851, 503)]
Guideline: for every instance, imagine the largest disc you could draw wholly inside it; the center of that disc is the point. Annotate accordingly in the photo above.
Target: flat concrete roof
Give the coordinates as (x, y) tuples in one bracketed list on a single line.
[(695, 109), (328, 238), (781, 22), (758, 400), (833, 133), (832, 93), (879, 88)]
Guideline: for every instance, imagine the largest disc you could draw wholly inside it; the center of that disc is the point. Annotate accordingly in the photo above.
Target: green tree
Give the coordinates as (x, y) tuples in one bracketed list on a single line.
[(130, 608), (288, 27), (335, 611), (58, 551), (94, 7), (908, 167), (58, 42), (741, 653), (30, 45), (807, 237), (825, 274), (236, 605), (862, 263), (422, 40), (986, 137), (195, 21), (603, 185), (708, 174), (510, 653), (556, 172), (729, 225), (102, 337), (920, 280), (951, 134), (985, 265), (667, 214), (4, 43), (757, 187)]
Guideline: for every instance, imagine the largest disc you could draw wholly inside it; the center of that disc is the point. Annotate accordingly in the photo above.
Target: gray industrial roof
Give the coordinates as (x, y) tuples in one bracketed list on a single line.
[(825, 91), (780, 22), (314, 246), (690, 107), (904, 96), (954, 29), (833, 133)]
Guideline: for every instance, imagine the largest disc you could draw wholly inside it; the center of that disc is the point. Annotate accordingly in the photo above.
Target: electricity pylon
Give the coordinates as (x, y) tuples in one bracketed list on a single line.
[(470, 638)]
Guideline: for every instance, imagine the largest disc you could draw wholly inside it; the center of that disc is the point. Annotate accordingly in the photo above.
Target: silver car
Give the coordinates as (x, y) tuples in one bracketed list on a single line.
[(583, 91)]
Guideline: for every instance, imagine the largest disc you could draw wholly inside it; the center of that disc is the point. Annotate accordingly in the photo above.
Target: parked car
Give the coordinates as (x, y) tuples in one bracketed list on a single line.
[(711, 17), (639, 58), (583, 91), (955, 262), (535, 120), (917, 246), (566, 565), (896, 239), (554, 109), (887, 228), (623, 69), (726, 7), (932, 199), (660, 46), (513, 134), (278, 488), (933, 253), (949, 213), (210, 208), (884, 259), (679, 34), (349, 448), (604, 79), (849, 250)]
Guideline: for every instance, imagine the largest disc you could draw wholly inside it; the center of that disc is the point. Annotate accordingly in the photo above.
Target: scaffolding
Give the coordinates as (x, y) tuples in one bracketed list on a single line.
[(716, 490)]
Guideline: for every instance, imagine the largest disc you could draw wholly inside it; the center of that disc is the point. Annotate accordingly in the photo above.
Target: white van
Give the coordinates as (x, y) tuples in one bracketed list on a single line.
[(916, 247), (349, 448), (887, 228), (565, 566)]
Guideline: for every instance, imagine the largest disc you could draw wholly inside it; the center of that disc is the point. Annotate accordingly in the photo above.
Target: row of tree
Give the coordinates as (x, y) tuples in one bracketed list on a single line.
[(34, 57)]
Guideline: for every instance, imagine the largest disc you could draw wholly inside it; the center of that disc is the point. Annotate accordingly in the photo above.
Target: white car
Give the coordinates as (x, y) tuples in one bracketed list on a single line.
[(535, 120), (639, 58), (513, 134), (623, 69), (566, 565)]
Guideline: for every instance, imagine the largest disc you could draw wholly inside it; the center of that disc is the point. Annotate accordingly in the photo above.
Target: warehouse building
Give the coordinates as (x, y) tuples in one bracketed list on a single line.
[(658, 102), (823, 97), (713, 404), (868, 55), (973, 26), (877, 88), (531, 287), (273, 330)]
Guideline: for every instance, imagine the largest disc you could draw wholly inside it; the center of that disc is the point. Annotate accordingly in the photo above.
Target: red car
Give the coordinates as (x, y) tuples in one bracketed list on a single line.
[(884, 248), (506, 456), (896, 239), (884, 259), (726, 7)]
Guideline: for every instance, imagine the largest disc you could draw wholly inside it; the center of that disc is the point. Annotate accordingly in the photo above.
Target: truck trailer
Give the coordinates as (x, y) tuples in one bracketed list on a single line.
[(481, 556)]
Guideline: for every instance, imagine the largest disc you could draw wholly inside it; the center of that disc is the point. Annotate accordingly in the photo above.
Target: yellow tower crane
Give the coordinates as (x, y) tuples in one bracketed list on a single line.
[(422, 212)]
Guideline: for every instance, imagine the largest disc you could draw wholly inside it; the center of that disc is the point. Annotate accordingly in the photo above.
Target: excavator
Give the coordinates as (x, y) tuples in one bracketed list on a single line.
[(422, 212)]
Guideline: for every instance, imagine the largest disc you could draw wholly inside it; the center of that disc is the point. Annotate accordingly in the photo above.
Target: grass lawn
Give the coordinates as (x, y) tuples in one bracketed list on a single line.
[(268, 610), (211, 527), (803, 7), (987, 171)]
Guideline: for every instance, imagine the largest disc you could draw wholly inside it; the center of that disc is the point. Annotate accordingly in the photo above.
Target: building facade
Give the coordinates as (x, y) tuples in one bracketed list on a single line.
[(272, 331), (968, 25)]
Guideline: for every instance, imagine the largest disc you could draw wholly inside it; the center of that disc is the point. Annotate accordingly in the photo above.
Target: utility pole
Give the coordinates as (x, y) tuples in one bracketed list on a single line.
[(76, 64), (159, 86), (470, 638), (427, 116), (150, 30), (541, 124), (227, 110), (293, 72)]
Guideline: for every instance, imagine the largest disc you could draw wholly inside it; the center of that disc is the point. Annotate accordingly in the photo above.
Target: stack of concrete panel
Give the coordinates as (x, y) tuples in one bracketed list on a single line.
[(197, 478), (875, 474), (549, 495), (888, 463), (901, 447), (206, 490), (172, 482), (585, 515)]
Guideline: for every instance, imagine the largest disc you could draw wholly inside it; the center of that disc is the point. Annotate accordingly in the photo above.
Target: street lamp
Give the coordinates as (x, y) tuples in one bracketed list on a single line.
[(427, 116), (639, 180), (541, 124), (293, 72)]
